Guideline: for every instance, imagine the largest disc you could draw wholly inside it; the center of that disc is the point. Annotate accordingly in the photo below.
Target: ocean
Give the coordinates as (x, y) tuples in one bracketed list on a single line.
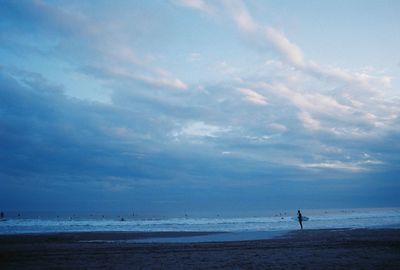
[(279, 221)]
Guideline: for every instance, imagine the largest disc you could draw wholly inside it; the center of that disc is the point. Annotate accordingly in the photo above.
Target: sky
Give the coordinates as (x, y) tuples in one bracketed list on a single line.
[(195, 106)]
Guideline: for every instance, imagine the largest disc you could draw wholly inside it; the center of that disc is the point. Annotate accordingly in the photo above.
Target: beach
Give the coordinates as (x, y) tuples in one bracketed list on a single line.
[(307, 249)]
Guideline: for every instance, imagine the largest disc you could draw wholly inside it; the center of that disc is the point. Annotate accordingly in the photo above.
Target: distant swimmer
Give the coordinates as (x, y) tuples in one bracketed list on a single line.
[(300, 218)]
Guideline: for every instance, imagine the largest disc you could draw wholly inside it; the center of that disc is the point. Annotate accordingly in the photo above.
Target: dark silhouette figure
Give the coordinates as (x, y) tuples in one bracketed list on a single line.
[(1, 215), (300, 218)]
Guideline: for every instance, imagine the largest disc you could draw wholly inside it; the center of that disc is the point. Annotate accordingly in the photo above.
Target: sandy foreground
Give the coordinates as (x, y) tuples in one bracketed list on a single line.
[(308, 249)]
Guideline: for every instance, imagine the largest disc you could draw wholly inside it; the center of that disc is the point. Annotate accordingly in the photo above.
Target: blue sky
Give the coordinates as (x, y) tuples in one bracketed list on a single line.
[(199, 106)]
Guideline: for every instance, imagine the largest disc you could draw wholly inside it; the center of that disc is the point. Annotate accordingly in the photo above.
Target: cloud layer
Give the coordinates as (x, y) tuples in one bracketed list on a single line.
[(123, 101)]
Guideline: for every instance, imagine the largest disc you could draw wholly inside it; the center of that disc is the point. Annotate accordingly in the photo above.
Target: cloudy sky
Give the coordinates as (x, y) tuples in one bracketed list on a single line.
[(199, 106)]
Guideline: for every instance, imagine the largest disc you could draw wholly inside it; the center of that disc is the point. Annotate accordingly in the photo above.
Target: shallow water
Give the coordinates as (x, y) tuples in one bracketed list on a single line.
[(219, 237)]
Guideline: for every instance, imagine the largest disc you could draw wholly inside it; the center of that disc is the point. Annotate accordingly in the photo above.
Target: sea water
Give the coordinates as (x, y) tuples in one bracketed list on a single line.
[(280, 221)]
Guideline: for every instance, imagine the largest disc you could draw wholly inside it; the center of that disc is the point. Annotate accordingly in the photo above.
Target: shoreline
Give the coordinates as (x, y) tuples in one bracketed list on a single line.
[(143, 237), (306, 249)]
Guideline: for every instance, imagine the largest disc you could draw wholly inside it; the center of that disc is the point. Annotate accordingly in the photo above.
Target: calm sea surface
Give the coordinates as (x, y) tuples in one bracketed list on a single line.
[(318, 219)]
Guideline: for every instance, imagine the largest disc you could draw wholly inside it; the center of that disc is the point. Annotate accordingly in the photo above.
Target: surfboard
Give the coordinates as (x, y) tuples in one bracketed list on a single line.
[(303, 218)]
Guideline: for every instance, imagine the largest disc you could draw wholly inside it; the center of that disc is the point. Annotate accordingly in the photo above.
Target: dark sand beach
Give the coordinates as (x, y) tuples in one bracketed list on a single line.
[(308, 249)]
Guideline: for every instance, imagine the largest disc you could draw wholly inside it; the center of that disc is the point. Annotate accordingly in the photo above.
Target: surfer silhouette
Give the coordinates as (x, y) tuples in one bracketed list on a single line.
[(300, 218), (1, 215)]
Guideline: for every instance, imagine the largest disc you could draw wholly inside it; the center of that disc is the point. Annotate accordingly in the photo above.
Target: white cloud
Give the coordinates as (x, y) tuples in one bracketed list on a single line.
[(259, 138), (253, 96), (278, 127), (164, 82), (336, 74), (351, 166), (290, 51), (197, 4), (308, 121), (292, 54), (239, 14), (337, 112), (308, 101), (336, 165), (245, 22), (200, 129), (162, 79)]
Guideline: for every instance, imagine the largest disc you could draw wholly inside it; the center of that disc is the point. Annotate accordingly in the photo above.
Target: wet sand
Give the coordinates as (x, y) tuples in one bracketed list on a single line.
[(308, 249)]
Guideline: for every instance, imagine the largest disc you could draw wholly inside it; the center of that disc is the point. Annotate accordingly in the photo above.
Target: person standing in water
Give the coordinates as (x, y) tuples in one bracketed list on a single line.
[(300, 218)]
